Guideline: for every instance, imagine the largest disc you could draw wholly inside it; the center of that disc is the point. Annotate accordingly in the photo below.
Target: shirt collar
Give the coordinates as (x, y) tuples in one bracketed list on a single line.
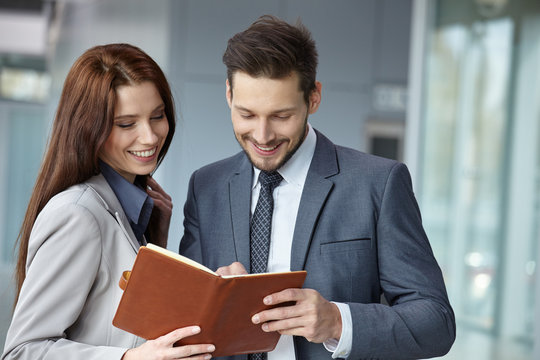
[(295, 170), (136, 203)]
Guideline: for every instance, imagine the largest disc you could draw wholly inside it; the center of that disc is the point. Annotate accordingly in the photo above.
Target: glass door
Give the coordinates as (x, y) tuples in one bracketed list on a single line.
[(478, 175)]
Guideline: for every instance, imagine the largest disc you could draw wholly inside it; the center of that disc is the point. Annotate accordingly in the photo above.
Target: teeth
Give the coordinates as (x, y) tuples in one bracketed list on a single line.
[(146, 153), (266, 149)]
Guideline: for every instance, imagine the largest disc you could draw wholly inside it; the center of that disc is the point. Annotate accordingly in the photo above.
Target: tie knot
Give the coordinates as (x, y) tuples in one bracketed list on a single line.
[(270, 179)]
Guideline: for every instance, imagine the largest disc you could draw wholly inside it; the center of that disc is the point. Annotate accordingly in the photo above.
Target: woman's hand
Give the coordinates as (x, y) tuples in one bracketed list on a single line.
[(162, 348), (160, 219)]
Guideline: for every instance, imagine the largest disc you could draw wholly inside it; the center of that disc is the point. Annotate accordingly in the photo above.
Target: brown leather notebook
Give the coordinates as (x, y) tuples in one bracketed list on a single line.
[(165, 291)]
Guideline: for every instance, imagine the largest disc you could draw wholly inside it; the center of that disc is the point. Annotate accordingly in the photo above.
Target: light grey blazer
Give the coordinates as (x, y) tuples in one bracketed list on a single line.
[(358, 234), (80, 244)]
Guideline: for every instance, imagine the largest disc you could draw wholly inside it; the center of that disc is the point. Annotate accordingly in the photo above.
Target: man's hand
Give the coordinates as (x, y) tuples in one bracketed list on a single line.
[(236, 268), (161, 213), (312, 317)]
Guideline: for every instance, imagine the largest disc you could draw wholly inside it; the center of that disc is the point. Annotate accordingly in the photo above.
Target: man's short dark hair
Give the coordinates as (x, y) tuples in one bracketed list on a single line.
[(273, 48)]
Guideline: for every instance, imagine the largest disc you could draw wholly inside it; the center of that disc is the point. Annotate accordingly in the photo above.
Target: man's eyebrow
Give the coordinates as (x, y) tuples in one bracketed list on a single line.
[(241, 108), (286, 109)]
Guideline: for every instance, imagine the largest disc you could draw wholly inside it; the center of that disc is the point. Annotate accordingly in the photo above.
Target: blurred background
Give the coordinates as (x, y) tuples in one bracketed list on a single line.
[(450, 87)]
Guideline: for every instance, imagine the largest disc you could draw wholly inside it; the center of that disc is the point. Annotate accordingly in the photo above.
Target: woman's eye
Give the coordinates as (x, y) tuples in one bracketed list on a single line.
[(124, 126), (158, 117)]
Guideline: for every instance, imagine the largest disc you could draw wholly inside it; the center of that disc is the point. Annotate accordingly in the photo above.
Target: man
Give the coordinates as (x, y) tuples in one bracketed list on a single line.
[(349, 219)]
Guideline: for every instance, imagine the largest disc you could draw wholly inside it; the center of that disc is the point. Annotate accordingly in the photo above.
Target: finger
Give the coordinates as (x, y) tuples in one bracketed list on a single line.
[(179, 334), (153, 184), (310, 334), (192, 351), (223, 271), (280, 313), (158, 195), (236, 268), (150, 181), (159, 199), (295, 331), (200, 357), (161, 203), (285, 296), (286, 324)]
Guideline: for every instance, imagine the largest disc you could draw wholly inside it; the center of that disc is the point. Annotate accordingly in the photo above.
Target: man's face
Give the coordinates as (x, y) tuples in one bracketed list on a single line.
[(269, 117)]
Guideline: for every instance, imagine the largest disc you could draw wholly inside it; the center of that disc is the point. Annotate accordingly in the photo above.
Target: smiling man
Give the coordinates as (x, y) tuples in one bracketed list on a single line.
[(292, 200), (269, 117)]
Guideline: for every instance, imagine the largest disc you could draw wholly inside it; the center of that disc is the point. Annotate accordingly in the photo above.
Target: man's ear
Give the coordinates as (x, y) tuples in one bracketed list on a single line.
[(228, 92), (315, 98)]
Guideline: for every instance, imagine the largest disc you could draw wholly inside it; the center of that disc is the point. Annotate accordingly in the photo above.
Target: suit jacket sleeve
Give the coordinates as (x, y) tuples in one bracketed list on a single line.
[(63, 261), (419, 322), (190, 244)]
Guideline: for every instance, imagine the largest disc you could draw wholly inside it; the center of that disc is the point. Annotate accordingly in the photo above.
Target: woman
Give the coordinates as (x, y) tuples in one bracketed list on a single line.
[(93, 204)]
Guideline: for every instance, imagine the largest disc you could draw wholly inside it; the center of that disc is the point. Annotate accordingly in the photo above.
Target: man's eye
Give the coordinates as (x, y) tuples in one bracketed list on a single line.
[(282, 117), (246, 116)]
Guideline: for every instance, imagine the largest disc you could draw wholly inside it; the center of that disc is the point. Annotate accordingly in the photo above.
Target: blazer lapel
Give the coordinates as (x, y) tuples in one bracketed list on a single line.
[(240, 200), (112, 205), (316, 190), (126, 228)]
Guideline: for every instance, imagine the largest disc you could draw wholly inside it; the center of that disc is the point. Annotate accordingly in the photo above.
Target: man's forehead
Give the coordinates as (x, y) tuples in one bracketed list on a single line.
[(238, 75)]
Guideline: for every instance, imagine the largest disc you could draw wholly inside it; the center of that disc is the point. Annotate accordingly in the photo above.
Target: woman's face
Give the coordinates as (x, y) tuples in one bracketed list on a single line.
[(139, 130)]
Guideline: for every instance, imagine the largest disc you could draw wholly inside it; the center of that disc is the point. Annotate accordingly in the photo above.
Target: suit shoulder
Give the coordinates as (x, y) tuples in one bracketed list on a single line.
[(224, 167), (72, 209), (80, 196), (355, 160)]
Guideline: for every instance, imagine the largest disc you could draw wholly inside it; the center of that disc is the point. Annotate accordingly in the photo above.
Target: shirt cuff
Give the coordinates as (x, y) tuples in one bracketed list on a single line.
[(342, 348)]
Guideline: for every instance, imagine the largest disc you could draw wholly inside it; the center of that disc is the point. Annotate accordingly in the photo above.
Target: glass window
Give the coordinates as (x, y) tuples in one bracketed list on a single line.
[(478, 181), (23, 134), (24, 84)]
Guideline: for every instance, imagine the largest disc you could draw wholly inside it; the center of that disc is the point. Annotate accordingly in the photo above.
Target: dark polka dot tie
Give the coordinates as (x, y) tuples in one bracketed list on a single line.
[(261, 224)]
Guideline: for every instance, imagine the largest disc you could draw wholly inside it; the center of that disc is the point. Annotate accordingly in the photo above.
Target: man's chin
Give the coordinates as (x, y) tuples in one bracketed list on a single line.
[(268, 165)]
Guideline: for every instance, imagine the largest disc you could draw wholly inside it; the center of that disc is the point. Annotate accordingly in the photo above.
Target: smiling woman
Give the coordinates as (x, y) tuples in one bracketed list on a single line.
[(139, 131), (93, 205)]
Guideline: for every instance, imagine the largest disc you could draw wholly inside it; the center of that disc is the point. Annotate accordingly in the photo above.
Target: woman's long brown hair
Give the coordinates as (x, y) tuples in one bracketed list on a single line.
[(83, 122)]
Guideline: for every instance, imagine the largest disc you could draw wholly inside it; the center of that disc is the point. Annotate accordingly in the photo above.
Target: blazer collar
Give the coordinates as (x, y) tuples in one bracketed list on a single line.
[(240, 200), (102, 189), (317, 187), (324, 163)]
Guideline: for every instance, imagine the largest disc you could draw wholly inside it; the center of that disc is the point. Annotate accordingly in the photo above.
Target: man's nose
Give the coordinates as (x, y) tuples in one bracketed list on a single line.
[(264, 133)]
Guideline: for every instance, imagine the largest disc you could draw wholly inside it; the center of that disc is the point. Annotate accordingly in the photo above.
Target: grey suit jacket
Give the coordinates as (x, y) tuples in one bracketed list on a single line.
[(80, 244), (358, 234)]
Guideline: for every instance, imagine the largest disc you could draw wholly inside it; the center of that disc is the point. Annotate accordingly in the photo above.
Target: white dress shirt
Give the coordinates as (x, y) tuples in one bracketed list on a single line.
[(286, 202)]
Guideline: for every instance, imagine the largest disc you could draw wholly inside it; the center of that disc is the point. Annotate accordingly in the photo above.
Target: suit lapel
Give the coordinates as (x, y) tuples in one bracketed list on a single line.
[(112, 205), (316, 190), (240, 200)]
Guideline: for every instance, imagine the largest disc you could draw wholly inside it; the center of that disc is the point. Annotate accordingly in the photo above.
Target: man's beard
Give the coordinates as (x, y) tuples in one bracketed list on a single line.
[(287, 157)]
